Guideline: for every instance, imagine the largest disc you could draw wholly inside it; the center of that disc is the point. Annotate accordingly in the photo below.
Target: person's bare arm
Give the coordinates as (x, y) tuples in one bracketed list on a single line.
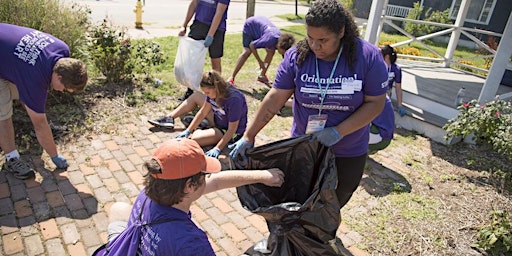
[(190, 13), (271, 104), (219, 12), (232, 126), (370, 109), (201, 114), (229, 179), (268, 59), (254, 51), (43, 131), (398, 90)]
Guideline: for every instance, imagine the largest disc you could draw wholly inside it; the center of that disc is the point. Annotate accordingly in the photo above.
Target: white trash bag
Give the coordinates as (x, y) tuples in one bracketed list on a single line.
[(189, 62)]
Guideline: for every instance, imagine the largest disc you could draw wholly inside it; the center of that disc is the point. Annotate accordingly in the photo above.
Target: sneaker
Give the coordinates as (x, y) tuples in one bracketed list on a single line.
[(19, 169), (186, 95), (186, 120), (166, 122), (264, 79)]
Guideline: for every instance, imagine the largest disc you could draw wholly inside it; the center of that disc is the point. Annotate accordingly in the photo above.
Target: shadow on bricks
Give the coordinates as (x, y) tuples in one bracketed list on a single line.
[(380, 181), (49, 195)]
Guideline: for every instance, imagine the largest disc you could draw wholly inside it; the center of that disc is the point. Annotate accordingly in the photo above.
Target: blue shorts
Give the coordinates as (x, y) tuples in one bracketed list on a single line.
[(246, 40)]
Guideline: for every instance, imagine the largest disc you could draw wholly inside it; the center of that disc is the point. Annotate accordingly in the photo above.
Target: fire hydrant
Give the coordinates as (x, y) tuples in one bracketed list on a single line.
[(138, 14)]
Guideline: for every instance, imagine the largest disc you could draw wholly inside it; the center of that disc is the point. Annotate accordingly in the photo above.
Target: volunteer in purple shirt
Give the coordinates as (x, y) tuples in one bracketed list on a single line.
[(382, 128), (394, 76), (339, 84), (258, 33), (160, 221), (31, 63), (230, 114), (209, 25)]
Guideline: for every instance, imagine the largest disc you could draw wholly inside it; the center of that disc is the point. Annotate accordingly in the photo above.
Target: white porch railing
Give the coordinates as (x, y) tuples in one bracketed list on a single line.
[(397, 11)]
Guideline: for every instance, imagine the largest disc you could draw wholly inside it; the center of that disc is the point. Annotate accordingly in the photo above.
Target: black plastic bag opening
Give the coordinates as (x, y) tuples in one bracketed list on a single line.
[(303, 214)]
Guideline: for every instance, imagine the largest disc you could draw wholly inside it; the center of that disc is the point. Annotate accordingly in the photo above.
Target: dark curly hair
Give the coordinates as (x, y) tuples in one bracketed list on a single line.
[(167, 192), (285, 41), (330, 14)]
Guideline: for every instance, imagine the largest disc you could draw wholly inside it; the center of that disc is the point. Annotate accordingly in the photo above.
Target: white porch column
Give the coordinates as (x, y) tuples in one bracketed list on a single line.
[(499, 64), (374, 21), (454, 39)]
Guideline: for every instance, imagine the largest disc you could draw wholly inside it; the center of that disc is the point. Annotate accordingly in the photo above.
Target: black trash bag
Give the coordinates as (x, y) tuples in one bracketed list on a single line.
[(303, 214)]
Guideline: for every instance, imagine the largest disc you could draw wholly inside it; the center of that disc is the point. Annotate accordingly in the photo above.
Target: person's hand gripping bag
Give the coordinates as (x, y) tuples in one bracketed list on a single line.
[(303, 214)]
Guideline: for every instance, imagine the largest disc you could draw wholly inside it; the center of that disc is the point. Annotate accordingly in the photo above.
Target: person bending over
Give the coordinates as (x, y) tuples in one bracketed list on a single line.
[(31, 63), (259, 32)]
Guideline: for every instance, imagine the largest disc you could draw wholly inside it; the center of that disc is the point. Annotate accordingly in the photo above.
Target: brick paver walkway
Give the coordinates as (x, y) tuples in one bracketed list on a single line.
[(65, 212)]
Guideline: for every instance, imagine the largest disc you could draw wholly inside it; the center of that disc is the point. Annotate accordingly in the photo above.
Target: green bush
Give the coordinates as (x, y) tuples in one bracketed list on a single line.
[(490, 123), (109, 50), (416, 13), (496, 238), (66, 22), (117, 57), (147, 54)]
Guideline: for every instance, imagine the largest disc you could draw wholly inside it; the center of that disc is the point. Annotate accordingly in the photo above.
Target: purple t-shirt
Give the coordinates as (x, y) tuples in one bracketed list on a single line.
[(263, 32), (27, 57), (205, 11), (385, 121), (233, 109), (178, 237), (394, 75), (344, 95)]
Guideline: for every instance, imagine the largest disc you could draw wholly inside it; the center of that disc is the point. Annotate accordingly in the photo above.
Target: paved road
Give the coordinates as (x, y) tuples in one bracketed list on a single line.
[(164, 17)]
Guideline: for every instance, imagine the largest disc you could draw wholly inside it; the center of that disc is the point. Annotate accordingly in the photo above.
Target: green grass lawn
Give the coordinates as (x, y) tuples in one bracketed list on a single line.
[(233, 48)]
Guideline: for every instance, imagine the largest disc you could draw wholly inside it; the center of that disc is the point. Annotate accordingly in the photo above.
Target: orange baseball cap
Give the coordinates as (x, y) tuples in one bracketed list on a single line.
[(182, 158)]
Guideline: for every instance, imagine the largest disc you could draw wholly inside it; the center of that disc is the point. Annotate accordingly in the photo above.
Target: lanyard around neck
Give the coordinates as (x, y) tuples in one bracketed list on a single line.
[(323, 93)]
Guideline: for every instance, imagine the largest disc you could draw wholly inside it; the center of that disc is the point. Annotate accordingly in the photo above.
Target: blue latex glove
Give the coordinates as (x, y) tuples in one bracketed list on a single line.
[(328, 136), (240, 147), (208, 41), (60, 161), (183, 134), (214, 152), (401, 111)]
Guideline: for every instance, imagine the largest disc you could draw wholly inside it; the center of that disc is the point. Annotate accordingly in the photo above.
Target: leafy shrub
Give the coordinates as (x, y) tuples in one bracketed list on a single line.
[(490, 123), (493, 44), (117, 57), (417, 29), (148, 54), (110, 52), (496, 238), (66, 22)]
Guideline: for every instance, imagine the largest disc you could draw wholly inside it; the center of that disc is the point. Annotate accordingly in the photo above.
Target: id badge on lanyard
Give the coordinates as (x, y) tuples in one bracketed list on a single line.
[(316, 123)]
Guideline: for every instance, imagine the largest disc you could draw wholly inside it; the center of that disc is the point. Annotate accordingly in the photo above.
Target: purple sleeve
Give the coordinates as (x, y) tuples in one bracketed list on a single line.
[(376, 82), (285, 76)]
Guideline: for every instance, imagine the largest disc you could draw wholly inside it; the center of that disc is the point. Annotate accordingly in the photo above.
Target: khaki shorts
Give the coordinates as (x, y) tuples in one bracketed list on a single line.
[(8, 93)]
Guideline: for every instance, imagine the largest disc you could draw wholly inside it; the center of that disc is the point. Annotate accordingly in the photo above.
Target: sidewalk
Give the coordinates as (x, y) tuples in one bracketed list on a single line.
[(65, 212)]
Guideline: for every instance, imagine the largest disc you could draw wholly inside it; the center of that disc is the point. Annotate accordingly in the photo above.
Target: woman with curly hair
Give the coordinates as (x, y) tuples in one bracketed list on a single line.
[(339, 84)]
